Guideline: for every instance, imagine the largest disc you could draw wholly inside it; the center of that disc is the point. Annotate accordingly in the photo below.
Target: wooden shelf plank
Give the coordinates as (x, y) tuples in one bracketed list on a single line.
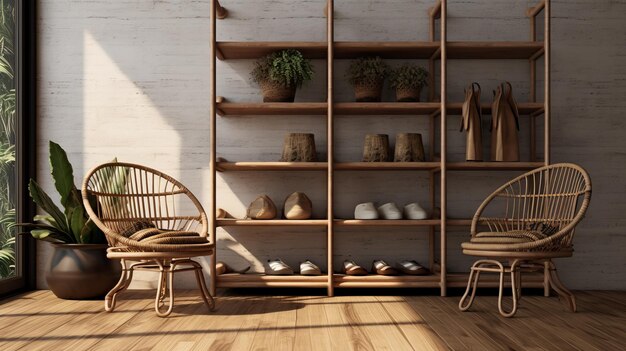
[(271, 166), (271, 108), (271, 223), (386, 49), (498, 166), (230, 50), (386, 108), (320, 108), (381, 281), (493, 49), (252, 280), (524, 108), (387, 222), (386, 166)]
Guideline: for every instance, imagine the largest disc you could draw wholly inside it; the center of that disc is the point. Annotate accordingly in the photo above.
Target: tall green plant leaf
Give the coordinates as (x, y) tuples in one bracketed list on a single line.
[(63, 176), (43, 200)]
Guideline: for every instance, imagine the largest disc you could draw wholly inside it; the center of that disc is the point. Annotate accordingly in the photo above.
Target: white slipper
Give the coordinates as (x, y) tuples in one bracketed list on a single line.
[(309, 268), (277, 267), (414, 211), (365, 211), (389, 211), (411, 267)]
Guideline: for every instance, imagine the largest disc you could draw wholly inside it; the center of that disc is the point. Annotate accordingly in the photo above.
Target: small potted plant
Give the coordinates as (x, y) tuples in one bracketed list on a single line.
[(280, 73), (408, 80), (367, 76), (78, 268)]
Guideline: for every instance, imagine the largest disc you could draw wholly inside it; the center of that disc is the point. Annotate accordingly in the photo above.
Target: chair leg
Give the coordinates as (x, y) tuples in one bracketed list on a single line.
[(204, 291), (158, 301), (558, 286), (474, 273), (514, 268), (125, 278)]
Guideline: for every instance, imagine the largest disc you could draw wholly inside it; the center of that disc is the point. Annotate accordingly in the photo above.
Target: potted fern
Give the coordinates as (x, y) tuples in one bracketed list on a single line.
[(367, 76), (408, 80), (280, 73), (78, 267)]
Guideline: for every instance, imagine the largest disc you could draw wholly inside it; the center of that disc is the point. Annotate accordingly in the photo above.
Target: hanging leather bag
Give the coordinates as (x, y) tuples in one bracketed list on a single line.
[(472, 123), (504, 125)]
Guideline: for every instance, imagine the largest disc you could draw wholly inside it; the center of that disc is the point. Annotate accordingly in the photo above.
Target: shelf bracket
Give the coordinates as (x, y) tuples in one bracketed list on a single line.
[(534, 11), (222, 12)]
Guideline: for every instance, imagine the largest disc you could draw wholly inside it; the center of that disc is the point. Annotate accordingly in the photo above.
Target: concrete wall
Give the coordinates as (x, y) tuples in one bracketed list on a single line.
[(130, 79)]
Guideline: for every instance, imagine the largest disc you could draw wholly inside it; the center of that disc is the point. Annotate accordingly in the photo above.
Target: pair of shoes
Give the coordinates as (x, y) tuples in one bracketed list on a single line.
[(389, 211), (296, 206), (407, 267), (278, 267)]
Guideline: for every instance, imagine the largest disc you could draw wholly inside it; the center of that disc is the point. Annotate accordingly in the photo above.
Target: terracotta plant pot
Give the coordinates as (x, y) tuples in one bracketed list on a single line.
[(408, 95), (273, 92), (81, 272), (368, 93)]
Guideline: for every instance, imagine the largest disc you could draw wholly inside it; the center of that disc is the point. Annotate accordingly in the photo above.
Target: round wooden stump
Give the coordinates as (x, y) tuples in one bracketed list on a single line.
[(299, 147), (409, 148), (376, 148)]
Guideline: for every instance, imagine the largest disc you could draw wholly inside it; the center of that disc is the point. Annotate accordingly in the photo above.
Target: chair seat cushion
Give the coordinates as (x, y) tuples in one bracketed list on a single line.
[(483, 239), (167, 237)]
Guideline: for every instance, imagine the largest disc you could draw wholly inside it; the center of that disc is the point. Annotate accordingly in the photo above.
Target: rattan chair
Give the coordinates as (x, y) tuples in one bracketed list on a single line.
[(151, 222), (531, 220)]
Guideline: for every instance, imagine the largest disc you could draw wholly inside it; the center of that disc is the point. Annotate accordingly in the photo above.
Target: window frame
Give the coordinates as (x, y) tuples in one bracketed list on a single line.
[(26, 144)]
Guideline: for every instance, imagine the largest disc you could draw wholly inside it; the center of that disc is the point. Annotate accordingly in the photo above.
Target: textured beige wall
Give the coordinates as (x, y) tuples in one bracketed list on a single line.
[(131, 78)]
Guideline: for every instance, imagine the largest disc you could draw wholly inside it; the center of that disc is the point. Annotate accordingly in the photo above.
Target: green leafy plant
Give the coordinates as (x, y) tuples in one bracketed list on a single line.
[(409, 77), (7, 139), (71, 226), (288, 68), (368, 71)]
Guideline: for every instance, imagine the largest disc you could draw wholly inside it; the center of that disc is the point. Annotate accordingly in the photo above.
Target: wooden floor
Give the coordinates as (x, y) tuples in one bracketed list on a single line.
[(39, 321)]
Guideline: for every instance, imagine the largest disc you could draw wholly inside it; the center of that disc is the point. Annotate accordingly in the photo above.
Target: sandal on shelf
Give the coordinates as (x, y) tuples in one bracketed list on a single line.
[(381, 267), (412, 267), (278, 267), (309, 268), (223, 268), (351, 268), (414, 211), (365, 210), (389, 211)]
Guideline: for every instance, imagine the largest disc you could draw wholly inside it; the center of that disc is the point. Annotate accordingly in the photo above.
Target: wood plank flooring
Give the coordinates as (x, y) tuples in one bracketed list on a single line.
[(39, 321)]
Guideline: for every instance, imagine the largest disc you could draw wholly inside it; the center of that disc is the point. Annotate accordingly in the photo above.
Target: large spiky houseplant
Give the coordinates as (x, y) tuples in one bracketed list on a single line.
[(72, 224), (7, 139)]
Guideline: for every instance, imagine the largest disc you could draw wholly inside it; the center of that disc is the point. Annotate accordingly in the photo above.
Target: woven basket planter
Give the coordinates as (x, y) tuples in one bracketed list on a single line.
[(275, 92), (408, 94), (368, 92), (409, 148), (376, 148), (299, 147)]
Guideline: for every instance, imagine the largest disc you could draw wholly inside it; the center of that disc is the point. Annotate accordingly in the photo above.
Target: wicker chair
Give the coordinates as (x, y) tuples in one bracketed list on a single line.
[(151, 220), (531, 220)]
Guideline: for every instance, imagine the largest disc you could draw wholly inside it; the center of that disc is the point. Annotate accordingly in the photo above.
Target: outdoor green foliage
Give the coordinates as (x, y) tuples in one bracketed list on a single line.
[(287, 67), (409, 77), (71, 226), (367, 71), (7, 139)]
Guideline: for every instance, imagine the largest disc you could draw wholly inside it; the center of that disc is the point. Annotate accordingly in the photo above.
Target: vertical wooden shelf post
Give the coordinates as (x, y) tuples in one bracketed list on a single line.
[(329, 142), (213, 153), (443, 150)]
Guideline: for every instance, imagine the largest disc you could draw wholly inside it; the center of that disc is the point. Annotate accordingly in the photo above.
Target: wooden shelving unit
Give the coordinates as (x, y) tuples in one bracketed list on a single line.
[(437, 52)]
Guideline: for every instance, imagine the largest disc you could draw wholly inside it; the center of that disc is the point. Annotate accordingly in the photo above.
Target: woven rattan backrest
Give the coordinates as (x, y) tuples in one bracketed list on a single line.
[(121, 195), (546, 199)]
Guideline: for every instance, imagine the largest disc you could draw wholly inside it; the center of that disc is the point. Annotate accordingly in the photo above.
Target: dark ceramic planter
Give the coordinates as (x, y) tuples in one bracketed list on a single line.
[(81, 271)]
